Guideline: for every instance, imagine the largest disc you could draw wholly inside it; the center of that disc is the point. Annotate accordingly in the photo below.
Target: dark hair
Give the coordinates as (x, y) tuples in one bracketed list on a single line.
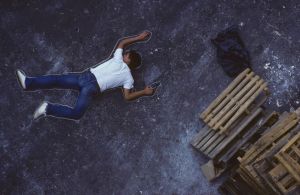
[(135, 59)]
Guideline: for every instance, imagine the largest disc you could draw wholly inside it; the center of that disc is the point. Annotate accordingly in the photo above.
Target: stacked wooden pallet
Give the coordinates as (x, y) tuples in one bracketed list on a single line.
[(232, 119), (271, 164), (235, 100)]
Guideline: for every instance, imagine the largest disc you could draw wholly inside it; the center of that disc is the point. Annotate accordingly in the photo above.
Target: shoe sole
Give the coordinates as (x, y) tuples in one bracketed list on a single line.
[(37, 110), (20, 83)]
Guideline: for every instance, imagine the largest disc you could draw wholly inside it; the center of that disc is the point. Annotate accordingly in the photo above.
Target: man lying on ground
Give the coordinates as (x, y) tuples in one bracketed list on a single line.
[(114, 72)]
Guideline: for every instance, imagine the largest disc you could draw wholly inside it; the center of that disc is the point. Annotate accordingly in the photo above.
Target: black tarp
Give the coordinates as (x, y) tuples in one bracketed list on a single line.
[(231, 52)]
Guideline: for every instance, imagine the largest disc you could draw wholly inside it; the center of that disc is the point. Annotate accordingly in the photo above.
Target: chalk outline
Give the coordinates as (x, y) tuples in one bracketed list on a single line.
[(98, 64)]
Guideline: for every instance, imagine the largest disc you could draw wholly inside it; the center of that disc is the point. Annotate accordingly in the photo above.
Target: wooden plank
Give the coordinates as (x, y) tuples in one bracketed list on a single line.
[(274, 137), (224, 93), (232, 187), (205, 139), (286, 183), (241, 186), (210, 141), (199, 136), (281, 184), (248, 178), (253, 84), (294, 163), (232, 102), (249, 152), (279, 179), (276, 131), (244, 106), (278, 172), (230, 138), (274, 149), (262, 168), (240, 104), (210, 171), (242, 141), (296, 150), (278, 126), (271, 119), (289, 163), (258, 102), (291, 142), (229, 96), (241, 107), (215, 144)]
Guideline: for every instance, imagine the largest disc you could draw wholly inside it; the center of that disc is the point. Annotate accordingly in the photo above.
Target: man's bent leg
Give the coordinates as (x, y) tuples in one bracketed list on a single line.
[(75, 113), (62, 81)]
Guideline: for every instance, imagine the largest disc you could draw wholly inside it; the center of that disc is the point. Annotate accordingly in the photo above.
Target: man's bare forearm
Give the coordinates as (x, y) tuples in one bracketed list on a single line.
[(128, 95), (135, 95), (133, 39), (128, 41)]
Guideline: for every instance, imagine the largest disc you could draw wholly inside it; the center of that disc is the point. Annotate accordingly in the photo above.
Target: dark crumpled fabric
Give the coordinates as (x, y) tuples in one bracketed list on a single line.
[(231, 52)]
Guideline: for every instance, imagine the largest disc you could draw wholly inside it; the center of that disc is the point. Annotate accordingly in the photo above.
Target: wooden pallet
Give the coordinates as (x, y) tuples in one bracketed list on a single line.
[(270, 178), (286, 122), (212, 143), (277, 175), (221, 149), (235, 100), (240, 107), (266, 167), (282, 180), (289, 157)]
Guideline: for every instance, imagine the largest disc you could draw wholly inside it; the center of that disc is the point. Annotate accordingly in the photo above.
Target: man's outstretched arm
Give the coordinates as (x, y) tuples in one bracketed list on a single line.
[(134, 95), (123, 43)]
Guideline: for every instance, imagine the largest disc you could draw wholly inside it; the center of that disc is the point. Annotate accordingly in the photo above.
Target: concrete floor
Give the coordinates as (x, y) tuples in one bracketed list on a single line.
[(140, 147)]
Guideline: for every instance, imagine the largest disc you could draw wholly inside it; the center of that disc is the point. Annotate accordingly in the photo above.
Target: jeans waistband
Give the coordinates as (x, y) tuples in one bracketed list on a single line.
[(90, 78)]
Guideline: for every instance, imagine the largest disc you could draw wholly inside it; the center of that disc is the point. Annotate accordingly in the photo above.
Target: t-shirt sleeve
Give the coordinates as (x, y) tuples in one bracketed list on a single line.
[(128, 84), (118, 54)]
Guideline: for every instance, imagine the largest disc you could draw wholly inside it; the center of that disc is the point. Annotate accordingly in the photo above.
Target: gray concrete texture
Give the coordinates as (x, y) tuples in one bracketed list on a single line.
[(140, 147)]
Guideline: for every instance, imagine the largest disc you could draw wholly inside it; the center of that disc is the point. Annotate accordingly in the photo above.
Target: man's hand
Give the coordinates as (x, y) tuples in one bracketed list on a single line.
[(149, 91), (144, 35), (128, 95)]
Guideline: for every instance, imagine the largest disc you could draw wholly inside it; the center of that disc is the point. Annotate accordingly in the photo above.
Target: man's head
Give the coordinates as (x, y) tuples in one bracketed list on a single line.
[(132, 59)]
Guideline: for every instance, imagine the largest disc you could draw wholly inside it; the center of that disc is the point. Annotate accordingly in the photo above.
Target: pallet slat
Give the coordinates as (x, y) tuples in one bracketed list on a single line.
[(223, 94), (236, 133), (215, 123), (243, 108), (229, 96)]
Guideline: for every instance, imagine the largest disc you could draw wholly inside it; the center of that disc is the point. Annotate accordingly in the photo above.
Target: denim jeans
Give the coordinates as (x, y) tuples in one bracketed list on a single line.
[(85, 82)]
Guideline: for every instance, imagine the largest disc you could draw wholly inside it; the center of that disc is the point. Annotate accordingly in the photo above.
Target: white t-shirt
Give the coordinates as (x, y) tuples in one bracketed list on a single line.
[(113, 73)]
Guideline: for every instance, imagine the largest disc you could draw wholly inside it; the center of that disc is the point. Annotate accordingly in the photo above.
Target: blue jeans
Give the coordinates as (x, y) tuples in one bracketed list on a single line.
[(85, 82)]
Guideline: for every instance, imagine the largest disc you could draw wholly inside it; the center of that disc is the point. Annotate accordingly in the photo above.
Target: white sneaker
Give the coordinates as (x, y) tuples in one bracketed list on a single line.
[(21, 78), (40, 111)]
